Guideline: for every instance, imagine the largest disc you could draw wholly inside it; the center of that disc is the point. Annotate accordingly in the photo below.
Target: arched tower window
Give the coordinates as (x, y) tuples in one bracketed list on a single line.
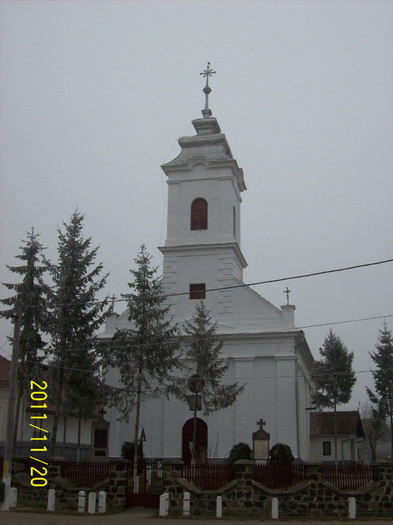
[(199, 214), (234, 222)]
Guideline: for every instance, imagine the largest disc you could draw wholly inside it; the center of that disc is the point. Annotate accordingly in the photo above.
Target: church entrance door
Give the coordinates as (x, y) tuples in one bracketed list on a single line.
[(200, 441)]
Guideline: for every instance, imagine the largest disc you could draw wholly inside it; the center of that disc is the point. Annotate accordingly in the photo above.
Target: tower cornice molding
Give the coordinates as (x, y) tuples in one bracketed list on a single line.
[(205, 247), (210, 164)]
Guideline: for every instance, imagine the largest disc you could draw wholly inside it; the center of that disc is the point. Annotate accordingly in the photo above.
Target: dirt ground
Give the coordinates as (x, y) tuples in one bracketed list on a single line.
[(138, 516)]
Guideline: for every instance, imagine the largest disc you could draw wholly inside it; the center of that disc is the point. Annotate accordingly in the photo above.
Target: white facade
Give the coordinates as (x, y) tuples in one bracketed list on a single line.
[(266, 352)]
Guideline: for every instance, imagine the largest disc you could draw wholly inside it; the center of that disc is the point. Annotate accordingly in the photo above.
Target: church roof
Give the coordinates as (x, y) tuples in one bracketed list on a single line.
[(209, 143), (348, 422)]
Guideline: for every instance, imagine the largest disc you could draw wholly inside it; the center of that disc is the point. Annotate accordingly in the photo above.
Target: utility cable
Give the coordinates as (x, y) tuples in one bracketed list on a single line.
[(222, 288)]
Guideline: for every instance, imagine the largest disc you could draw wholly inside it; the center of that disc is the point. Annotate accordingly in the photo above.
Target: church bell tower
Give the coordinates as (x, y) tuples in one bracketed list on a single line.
[(202, 249)]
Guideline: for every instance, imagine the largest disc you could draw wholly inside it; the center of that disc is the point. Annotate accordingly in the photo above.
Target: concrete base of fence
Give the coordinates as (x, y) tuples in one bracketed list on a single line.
[(219, 507), (91, 509), (164, 505), (102, 502), (13, 497), (275, 508), (51, 500), (82, 501), (351, 508), (186, 504)]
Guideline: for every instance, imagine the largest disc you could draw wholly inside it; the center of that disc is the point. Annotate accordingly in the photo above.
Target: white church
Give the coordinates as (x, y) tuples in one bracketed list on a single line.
[(266, 352)]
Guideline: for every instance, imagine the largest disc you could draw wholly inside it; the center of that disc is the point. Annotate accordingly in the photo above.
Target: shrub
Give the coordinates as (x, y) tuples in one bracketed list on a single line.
[(281, 454), (240, 451), (127, 451)]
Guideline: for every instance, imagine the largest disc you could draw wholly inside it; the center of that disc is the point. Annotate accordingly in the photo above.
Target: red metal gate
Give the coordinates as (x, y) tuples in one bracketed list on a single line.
[(148, 487)]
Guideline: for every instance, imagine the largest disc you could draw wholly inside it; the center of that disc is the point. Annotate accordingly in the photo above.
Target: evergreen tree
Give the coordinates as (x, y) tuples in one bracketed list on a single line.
[(206, 368), (75, 316), (146, 353), (382, 399), (333, 377), (375, 428), (29, 299)]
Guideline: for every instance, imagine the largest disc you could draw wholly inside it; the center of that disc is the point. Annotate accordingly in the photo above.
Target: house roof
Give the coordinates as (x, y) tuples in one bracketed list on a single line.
[(348, 422), (5, 370)]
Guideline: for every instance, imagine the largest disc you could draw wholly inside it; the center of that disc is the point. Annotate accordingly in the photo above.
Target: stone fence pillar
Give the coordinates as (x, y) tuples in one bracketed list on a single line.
[(313, 472), (117, 487), (244, 475), (171, 471), (54, 469), (383, 471)]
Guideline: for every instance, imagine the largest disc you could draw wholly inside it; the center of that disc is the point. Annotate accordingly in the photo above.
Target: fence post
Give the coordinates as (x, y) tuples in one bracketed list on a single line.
[(13, 497), (51, 500), (91, 508), (275, 508), (186, 504), (351, 508), (219, 507), (82, 501), (164, 505), (102, 502)]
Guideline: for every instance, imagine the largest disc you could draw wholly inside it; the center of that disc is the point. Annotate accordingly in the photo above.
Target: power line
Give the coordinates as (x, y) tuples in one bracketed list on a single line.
[(183, 337), (222, 288), (246, 378)]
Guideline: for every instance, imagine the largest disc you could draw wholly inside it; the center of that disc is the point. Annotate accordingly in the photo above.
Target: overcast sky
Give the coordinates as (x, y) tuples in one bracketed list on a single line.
[(95, 94)]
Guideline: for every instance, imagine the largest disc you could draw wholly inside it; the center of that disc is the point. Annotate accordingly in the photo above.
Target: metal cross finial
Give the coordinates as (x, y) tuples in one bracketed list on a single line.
[(208, 72), (261, 422), (287, 291)]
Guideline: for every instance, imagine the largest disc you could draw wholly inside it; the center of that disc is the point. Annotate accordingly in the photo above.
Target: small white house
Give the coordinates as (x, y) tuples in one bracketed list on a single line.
[(350, 434)]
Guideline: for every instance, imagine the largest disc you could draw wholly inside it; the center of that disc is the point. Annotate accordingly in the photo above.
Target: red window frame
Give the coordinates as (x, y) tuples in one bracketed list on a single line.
[(198, 291), (199, 214)]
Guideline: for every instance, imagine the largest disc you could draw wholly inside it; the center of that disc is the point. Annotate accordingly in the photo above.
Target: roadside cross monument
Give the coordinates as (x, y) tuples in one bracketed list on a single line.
[(260, 440)]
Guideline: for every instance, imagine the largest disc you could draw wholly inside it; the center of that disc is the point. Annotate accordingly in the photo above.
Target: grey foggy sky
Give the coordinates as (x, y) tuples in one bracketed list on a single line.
[(95, 94)]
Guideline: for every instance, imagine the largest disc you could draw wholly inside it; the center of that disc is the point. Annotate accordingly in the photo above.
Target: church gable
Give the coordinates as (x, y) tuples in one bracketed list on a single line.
[(251, 307)]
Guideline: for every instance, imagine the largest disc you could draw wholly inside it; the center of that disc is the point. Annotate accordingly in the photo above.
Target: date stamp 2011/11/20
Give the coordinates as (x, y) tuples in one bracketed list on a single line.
[(37, 397)]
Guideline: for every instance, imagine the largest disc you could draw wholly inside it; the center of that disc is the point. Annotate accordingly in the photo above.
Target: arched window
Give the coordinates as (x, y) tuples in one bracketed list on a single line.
[(234, 222), (199, 214)]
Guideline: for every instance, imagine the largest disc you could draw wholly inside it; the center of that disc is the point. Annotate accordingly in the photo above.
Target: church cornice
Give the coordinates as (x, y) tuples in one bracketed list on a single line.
[(210, 164), (187, 248)]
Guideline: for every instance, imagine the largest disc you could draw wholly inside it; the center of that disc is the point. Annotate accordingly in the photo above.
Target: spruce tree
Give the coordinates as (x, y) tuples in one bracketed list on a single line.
[(146, 353), (333, 377), (29, 298), (205, 369), (382, 399), (75, 316), (375, 427)]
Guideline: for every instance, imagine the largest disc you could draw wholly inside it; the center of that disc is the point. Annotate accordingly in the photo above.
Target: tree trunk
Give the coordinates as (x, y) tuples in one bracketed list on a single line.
[(335, 432), (78, 448), (17, 412), (391, 431), (136, 433), (193, 448), (57, 413)]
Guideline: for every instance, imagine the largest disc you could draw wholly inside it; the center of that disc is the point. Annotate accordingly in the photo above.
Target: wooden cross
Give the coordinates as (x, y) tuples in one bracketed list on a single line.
[(287, 291)]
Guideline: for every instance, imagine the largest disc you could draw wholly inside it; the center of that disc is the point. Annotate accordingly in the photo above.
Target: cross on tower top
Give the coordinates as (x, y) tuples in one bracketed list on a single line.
[(287, 291), (208, 72), (261, 423)]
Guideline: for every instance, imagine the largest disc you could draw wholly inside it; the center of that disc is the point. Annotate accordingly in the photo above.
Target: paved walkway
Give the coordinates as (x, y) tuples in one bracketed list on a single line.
[(139, 516)]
